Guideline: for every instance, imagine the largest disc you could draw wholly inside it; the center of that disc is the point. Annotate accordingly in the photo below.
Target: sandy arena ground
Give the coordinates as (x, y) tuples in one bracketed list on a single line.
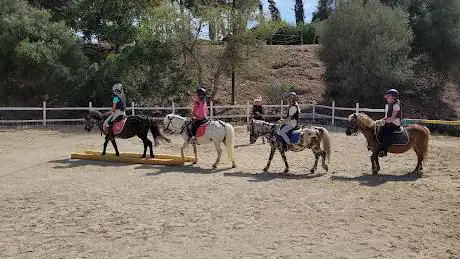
[(51, 207)]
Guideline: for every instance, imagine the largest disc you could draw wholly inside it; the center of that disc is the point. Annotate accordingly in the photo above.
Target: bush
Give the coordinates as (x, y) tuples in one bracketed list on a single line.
[(293, 35), (366, 50), (149, 71), (275, 93)]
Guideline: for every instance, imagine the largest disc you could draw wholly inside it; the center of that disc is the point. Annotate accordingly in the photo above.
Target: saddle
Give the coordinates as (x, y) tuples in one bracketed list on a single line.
[(200, 127), (399, 137), (118, 124), (294, 135)]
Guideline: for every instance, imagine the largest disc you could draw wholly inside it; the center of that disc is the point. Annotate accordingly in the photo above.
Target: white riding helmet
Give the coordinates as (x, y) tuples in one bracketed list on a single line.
[(117, 87)]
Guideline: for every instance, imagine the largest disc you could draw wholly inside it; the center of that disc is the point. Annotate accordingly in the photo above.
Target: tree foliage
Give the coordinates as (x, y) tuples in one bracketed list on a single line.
[(39, 59), (299, 12), (366, 49), (274, 11), (324, 10)]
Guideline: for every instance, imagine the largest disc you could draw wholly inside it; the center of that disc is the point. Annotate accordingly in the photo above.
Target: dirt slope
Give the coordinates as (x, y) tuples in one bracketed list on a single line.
[(299, 66)]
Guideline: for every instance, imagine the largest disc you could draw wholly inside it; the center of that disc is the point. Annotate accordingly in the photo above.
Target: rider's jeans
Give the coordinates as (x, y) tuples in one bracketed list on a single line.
[(283, 133)]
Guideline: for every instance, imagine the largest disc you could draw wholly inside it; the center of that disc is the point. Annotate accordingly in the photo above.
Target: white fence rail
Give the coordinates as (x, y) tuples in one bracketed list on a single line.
[(244, 112)]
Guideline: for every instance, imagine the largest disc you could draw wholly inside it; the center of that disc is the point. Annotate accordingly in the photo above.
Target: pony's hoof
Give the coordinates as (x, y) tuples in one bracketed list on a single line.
[(214, 166), (265, 169), (375, 173), (286, 171), (143, 156), (312, 171), (102, 154), (326, 168), (233, 166)]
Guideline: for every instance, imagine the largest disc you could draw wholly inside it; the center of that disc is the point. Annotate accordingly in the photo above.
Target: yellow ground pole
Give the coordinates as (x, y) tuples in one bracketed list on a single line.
[(132, 158)]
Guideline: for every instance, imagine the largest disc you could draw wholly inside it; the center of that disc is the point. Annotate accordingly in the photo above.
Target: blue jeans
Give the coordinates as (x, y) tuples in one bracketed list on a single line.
[(283, 132)]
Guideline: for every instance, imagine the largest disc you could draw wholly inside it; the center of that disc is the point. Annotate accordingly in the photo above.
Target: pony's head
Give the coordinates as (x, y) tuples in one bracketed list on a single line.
[(89, 123), (92, 117), (357, 122), (173, 123), (258, 128)]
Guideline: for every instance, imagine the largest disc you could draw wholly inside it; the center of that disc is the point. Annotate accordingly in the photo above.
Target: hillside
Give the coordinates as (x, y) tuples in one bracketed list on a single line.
[(300, 67)]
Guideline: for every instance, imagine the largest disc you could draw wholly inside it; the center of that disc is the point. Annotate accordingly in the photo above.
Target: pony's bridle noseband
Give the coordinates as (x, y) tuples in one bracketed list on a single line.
[(170, 119)]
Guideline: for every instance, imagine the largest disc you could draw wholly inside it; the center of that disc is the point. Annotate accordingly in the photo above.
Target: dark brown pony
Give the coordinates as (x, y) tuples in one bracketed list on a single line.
[(418, 140), (134, 126)]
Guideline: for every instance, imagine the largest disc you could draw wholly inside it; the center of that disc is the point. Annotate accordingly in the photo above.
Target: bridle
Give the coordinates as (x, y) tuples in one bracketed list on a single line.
[(170, 119)]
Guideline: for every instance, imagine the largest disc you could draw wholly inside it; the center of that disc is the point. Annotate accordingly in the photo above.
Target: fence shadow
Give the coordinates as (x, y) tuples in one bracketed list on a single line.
[(376, 180), (265, 177)]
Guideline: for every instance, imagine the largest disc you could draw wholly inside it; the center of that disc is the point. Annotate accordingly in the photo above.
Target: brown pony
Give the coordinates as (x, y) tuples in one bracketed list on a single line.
[(418, 140)]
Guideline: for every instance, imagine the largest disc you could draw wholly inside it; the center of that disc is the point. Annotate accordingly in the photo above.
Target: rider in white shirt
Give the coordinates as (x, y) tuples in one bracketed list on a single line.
[(291, 120)]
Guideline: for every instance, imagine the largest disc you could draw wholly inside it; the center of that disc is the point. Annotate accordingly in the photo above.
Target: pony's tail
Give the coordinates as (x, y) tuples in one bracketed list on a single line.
[(156, 132), (325, 139), (230, 142), (426, 143)]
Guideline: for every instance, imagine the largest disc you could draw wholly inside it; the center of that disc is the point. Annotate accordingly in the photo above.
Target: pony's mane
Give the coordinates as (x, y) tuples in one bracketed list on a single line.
[(365, 120)]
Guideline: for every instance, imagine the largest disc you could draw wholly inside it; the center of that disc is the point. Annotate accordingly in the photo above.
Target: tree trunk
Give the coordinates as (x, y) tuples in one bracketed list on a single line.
[(233, 85)]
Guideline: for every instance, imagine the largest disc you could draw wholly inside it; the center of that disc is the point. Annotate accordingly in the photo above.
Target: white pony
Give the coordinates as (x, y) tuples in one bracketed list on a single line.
[(217, 132)]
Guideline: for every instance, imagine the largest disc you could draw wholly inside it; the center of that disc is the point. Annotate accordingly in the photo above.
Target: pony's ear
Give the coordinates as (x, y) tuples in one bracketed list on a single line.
[(355, 116)]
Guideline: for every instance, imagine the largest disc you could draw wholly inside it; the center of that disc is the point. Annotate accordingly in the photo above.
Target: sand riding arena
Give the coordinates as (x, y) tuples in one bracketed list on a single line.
[(53, 207)]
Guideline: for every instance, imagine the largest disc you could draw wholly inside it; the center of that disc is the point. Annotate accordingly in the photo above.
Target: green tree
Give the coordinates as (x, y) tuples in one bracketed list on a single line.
[(366, 50), (324, 10), (299, 12), (436, 26), (39, 59), (274, 11)]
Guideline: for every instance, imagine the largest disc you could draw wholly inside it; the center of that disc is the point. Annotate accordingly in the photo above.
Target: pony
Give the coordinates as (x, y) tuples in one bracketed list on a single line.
[(134, 126), (309, 138), (216, 132), (418, 140)]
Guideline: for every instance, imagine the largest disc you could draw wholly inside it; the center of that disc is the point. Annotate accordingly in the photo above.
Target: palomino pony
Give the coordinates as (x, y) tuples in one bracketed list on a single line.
[(309, 138), (134, 126), (217, 132), (418, 140)]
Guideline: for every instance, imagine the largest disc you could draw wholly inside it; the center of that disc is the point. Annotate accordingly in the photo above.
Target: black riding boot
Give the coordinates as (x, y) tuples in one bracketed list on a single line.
[(383, 147)]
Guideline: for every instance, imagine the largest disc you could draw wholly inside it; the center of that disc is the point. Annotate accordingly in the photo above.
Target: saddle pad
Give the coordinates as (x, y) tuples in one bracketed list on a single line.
[(118, 126), (201, 130), (295, 137), (399, 137)]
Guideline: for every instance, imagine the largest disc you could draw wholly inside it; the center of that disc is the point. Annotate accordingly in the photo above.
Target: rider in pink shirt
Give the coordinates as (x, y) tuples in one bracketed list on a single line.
[(199, 111)]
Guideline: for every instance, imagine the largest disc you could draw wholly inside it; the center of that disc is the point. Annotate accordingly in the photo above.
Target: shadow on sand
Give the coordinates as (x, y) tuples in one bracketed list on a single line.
[(264, 177), (71, 163), (376, 180), (187, 169)]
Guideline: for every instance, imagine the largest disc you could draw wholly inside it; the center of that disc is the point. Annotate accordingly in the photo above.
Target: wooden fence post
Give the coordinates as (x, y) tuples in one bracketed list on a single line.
[(211, 111), (174, 108), (313, 113), (357, 107), (90, 106), (281, 109), (333, 113), (248, 112), (44, 113), (132, 109)]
